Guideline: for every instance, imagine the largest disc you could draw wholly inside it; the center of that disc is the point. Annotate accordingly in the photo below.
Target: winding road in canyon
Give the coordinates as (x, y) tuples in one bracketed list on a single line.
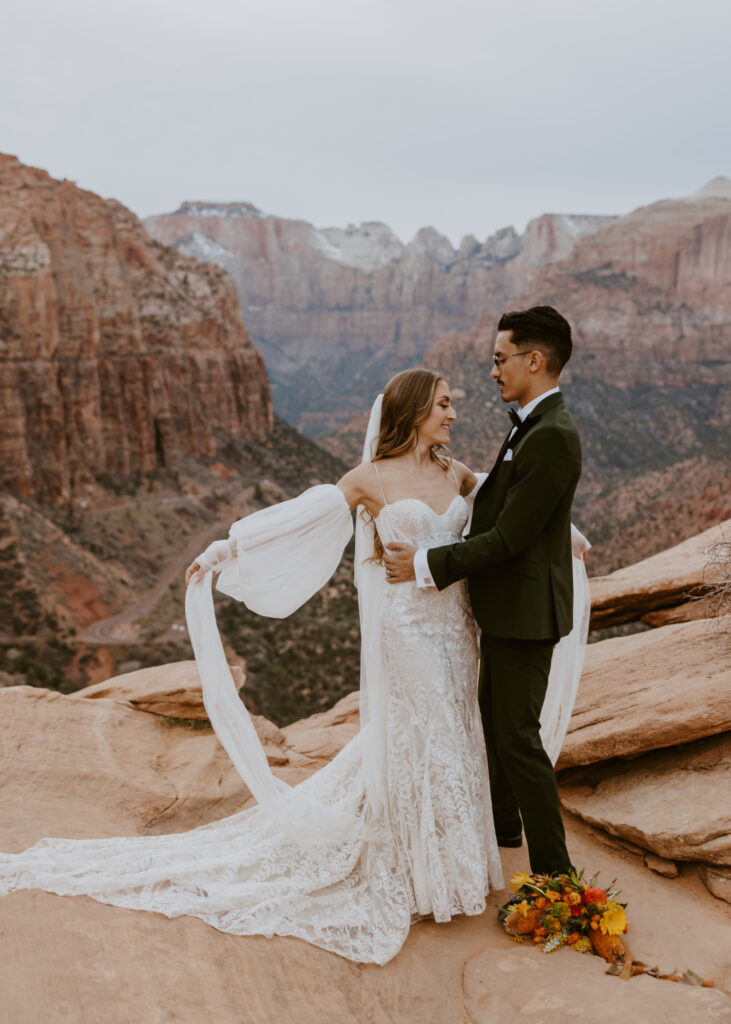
[(119, 628)]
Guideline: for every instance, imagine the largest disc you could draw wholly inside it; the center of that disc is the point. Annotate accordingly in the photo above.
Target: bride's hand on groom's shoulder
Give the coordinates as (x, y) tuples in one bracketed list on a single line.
[(399, 562)]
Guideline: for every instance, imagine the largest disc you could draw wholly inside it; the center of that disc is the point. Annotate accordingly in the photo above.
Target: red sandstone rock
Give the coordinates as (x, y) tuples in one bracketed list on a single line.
[(99, 767), (672, 802), (117, 355), (653, 689), (660, 582)]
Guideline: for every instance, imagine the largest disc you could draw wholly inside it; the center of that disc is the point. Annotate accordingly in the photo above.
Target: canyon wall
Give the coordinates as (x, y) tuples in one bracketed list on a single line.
[(117, 354)]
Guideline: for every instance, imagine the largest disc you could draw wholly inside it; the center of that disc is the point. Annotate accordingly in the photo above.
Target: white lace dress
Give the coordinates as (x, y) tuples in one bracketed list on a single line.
[(433, 851)]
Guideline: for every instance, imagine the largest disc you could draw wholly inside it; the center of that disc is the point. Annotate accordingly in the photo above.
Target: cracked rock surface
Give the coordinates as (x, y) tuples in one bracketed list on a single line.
[(106, 766)]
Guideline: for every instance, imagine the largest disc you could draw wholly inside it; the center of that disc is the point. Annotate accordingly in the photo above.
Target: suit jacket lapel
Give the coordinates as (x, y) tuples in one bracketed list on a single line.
[(552, 402), (505, 445)]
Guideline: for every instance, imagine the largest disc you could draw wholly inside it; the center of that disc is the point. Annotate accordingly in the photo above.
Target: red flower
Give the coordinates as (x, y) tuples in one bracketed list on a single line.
[(576, 911), (597, 896)]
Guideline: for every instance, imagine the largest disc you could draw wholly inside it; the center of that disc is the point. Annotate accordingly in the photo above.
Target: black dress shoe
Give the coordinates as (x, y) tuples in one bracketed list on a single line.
[(513, 841)]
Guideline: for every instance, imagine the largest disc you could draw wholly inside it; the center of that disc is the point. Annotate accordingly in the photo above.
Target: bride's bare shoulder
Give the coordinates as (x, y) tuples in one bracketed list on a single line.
[(360, 487), (465, 477)]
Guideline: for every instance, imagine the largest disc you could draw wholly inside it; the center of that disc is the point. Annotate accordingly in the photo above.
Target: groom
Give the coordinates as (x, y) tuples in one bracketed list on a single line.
[(517, 561)]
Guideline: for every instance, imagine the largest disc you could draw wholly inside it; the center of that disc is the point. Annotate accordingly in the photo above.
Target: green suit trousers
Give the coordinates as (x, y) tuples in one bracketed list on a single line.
[(513, 682)]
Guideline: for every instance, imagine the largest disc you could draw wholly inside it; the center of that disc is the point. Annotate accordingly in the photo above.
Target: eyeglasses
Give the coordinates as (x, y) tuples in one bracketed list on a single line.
[(499, 360)]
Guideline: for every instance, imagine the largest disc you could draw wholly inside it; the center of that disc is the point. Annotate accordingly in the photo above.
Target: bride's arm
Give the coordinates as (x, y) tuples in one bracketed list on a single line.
[(358, 487)]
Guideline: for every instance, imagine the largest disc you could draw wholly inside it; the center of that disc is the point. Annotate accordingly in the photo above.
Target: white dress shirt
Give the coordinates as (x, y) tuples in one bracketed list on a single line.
[(421, 563)]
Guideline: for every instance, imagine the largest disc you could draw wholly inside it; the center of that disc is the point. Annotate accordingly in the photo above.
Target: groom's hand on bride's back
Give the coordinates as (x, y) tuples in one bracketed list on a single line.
[(399, 562)]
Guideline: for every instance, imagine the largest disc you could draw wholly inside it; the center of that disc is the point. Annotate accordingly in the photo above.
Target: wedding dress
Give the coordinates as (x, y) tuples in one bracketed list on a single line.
[(398, 825)]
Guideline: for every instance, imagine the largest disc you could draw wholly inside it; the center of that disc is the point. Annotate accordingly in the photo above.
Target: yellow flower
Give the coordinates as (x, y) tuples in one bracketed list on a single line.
[(518, 879), (573, 899), (613, 920), (553, 896), (523, 908)]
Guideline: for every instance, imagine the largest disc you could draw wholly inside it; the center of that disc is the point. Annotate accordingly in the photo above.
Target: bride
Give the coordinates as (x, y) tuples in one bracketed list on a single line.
[(399, 825)]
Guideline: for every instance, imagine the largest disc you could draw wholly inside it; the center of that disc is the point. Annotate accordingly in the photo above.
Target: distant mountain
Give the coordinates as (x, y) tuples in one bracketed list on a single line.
[(649, 298), (336, 311)]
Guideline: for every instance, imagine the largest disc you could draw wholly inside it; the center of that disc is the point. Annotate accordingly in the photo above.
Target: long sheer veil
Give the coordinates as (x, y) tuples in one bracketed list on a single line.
[(370, 579)]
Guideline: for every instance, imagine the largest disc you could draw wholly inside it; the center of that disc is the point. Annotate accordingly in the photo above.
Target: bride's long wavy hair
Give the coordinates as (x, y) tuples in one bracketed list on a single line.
[(408, 399)]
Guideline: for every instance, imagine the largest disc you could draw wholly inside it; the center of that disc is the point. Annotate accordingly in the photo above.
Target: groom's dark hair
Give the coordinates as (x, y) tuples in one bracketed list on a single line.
[(545, 329)]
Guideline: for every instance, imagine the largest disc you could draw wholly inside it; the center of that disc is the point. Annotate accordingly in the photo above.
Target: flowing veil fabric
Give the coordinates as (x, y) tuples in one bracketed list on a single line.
[(566, 667), (284, 555), (370, 580)]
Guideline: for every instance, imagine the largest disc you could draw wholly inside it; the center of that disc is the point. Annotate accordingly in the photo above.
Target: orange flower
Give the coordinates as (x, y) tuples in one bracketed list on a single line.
[(573, 898), (573, 937), (553, 896), (610, 947), (597, 896), (541, 902)]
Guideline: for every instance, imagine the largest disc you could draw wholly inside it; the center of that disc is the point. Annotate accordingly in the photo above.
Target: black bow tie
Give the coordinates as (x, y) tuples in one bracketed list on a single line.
[(514, 418)]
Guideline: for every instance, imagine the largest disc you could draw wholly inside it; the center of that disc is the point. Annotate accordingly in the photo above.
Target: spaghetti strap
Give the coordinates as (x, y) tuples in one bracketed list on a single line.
[(454, 476), (378, 478)]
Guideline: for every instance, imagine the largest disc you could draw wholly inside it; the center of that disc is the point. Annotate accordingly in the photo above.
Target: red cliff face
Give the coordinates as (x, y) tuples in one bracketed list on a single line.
[(648, 296), (118, 354)]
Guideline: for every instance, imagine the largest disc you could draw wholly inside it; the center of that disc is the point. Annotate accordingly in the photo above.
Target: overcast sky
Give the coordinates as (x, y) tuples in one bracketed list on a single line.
[(466, 115)]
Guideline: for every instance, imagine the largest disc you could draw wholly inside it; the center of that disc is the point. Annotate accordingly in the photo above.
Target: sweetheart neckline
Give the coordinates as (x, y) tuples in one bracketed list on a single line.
[(439, 515)]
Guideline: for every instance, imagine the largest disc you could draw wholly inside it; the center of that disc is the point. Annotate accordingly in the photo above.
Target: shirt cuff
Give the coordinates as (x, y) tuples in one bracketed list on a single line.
[(421, 569)]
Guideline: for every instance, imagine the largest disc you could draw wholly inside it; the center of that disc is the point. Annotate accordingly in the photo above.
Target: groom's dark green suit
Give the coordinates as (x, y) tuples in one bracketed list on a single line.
[(517, 561)]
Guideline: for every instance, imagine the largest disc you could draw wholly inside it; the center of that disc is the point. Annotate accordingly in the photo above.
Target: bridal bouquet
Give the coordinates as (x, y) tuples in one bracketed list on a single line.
[(563, 910)]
